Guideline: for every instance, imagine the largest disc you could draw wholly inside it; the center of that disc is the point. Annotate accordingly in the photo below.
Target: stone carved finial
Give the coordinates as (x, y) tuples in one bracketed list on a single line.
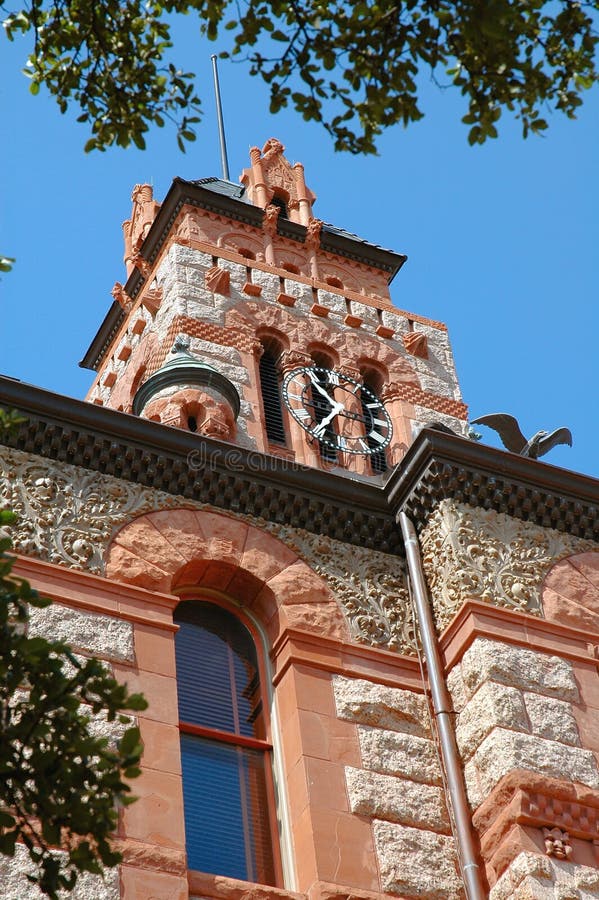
[(557, 843), (270, 175), (272, 147)]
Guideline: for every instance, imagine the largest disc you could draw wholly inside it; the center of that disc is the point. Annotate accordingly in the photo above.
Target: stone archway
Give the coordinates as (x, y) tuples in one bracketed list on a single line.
[(571, 592), (177, 549)]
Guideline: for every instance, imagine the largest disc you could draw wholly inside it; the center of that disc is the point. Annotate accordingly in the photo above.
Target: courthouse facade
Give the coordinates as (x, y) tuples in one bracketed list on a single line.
[(224, 521)]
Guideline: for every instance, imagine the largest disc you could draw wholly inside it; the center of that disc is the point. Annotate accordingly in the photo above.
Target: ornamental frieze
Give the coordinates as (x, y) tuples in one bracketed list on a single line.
[(67, 515), (477, 554), (371, 587)]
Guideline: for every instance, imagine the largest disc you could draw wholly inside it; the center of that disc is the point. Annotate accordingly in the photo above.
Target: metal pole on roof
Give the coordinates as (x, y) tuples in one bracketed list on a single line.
[(221, 124)]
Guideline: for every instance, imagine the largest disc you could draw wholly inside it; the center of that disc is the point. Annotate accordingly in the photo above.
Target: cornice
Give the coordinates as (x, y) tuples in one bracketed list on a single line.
[(441, 466), (437, 466), (198, 468)]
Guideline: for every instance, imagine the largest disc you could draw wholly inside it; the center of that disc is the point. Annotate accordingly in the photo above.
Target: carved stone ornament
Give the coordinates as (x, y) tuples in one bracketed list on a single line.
[(557, 843), (313, 230), (218, 280), (476, 554), (416, 343), (271, 217), (371, 587), (118, 294), (141, 264), (67, 515)]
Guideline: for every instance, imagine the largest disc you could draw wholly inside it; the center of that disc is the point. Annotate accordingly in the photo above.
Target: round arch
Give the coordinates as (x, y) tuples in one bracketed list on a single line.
[(176, 550), (571, 591)]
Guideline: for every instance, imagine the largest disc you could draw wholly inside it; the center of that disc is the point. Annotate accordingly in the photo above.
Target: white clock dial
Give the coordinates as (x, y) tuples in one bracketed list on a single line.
[(337, 411)]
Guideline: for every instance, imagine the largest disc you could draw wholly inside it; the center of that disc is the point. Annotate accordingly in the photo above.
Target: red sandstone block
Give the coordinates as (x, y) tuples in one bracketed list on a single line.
[(252, 290), (352, 321), (286, 299)]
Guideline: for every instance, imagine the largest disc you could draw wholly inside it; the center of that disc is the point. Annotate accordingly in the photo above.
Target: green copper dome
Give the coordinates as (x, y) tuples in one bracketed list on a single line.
[(183, 368)]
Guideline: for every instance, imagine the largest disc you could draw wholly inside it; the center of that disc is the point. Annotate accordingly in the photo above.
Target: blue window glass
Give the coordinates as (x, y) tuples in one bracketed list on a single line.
[(225, 758)]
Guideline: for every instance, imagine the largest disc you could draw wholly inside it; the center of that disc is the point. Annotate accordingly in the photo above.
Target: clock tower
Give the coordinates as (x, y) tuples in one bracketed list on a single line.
[(368, 644), (246, 318)]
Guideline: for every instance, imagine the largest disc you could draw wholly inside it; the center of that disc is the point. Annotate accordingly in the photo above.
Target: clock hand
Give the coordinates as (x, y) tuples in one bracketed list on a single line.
[(324, 422), (320, 389)]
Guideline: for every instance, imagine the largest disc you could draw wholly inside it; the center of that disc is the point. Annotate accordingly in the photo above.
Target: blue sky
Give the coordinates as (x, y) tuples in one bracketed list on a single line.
[(501, 239)]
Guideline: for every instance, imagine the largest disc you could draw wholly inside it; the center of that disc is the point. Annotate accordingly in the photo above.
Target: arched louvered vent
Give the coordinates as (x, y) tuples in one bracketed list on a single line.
[(271, 393), (322, 409), (378, 459)]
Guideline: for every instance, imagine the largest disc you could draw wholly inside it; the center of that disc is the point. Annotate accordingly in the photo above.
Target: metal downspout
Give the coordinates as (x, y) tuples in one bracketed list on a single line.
[(442, 711)]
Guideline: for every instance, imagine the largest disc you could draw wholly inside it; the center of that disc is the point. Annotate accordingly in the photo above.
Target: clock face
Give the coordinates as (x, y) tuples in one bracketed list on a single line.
[(337, 411)]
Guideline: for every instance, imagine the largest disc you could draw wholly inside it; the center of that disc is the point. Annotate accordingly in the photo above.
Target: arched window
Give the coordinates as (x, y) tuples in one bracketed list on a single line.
[(225, 754), (270, 386), (378, 458)]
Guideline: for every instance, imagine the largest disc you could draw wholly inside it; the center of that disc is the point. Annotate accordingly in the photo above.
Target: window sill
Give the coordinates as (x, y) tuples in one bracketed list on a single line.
[(201, 885)]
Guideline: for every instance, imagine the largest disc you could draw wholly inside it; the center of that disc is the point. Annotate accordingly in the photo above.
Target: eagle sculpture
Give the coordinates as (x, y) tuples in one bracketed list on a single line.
[(512, 438)]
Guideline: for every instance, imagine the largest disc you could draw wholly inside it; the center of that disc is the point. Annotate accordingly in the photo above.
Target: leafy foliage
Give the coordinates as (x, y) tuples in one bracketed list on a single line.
[(59, 780), (352, 66)]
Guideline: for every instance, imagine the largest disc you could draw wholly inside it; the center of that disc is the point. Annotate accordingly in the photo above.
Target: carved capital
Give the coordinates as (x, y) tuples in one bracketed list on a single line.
[(350, 372), (293, 359), (391, 391), (151, 299)]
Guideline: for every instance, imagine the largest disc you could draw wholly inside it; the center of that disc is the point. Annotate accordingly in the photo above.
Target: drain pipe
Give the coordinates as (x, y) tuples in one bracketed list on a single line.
[(442, 712)]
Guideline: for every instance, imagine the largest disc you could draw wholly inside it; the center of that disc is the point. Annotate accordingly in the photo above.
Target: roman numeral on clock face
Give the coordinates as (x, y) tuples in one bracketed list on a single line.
[(377, 437)]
